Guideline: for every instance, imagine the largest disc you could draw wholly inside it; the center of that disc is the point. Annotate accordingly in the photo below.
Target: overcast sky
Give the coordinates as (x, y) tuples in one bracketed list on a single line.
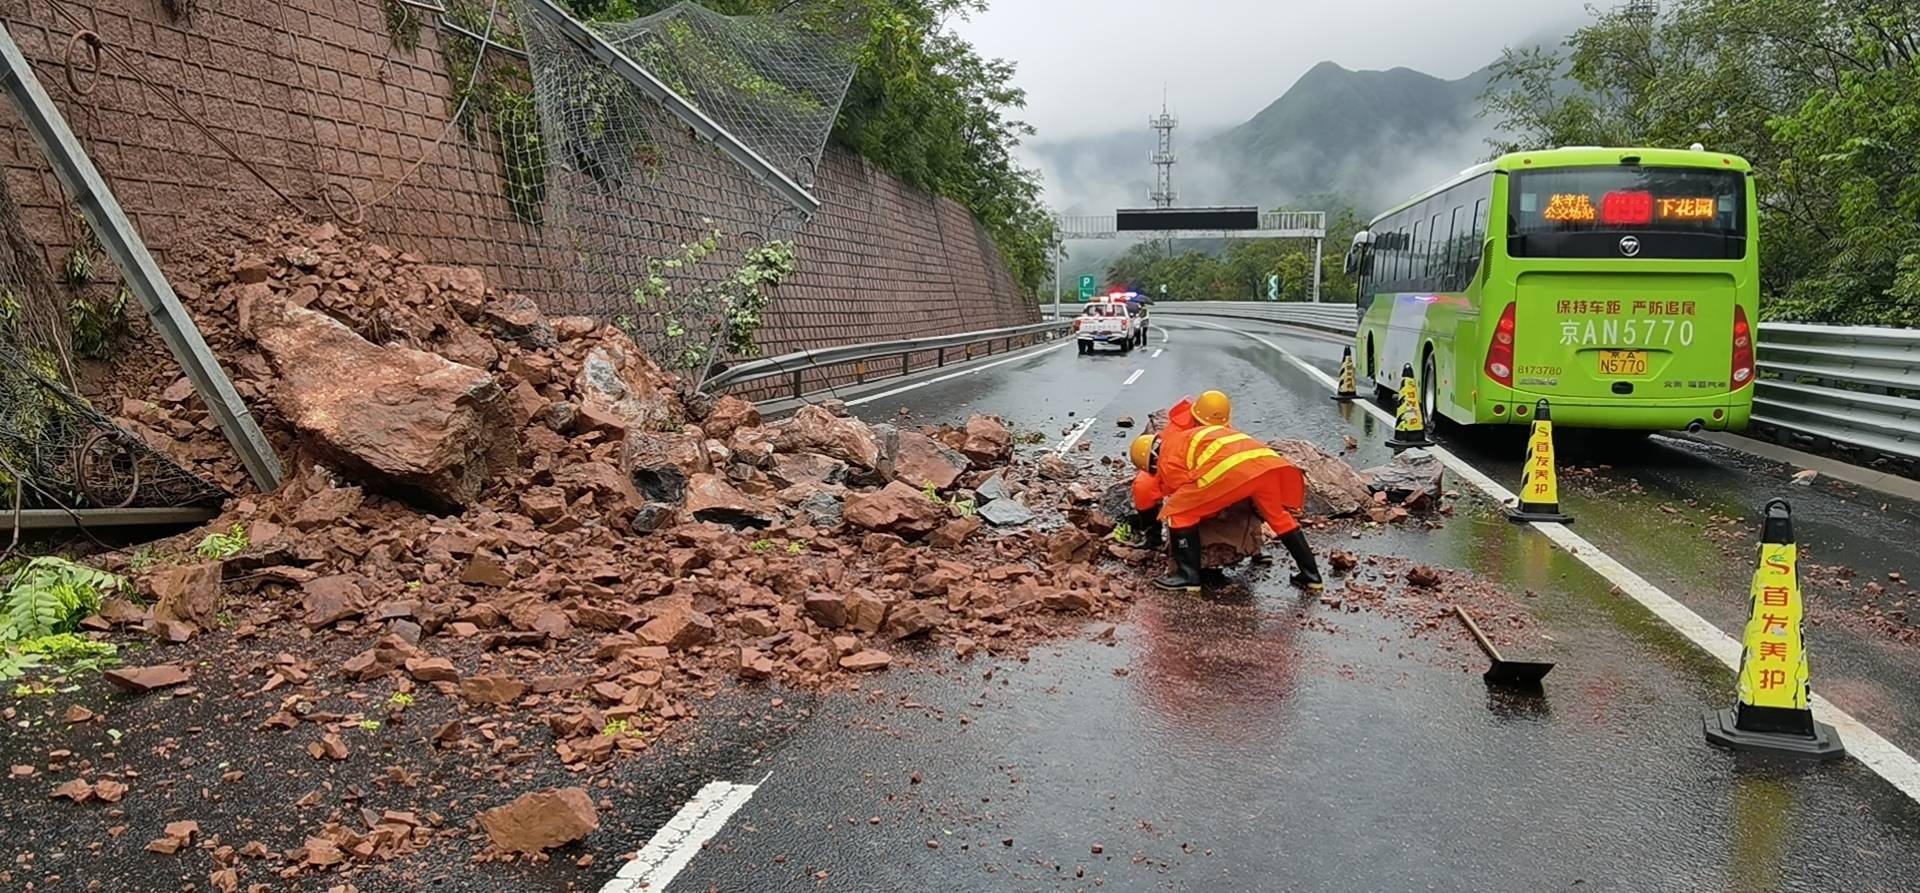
[(1097, 66)]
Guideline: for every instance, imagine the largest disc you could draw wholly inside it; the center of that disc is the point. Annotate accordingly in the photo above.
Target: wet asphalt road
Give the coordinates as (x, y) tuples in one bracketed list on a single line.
[(1274, 743)]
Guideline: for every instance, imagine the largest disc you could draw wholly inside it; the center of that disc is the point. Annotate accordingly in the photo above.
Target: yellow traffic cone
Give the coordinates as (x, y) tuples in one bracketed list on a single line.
[(1349, 390), (1771, 710), (1539, 485), (1409, 429)]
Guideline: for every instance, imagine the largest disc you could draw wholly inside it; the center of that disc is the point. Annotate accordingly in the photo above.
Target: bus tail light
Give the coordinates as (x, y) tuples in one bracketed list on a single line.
[(1742, 349), (1500, 351)]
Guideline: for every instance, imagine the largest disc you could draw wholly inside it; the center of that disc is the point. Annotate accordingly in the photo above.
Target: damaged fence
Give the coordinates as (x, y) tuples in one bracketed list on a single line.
[(679, 147)]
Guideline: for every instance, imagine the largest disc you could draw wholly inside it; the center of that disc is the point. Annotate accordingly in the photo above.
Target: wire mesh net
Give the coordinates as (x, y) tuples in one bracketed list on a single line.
[(667, 234), (56, 451)]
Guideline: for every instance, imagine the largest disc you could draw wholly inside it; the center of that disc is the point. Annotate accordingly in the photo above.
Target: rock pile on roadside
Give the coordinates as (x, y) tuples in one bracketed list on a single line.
[(519, 514)]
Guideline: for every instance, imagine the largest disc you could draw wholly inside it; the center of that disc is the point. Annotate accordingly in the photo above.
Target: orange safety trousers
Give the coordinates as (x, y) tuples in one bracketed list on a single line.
[(1270, 492)]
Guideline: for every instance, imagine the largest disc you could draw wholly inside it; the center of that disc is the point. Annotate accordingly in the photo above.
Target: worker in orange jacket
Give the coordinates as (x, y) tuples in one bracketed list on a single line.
[(1201, 466)]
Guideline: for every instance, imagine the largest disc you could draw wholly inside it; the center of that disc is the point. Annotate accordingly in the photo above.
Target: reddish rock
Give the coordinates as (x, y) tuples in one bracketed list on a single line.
[(756, 623), (953, 533), (866, 661), (421, 425), (329, 600), (620, 390), (866, 611), (897, 509), (544, 504), (492, 689), (829, 609), (1423, 576), (796, 469), (815, 429), (710, 498), (432, 669), (678, 627), (485, 570), (1071, 545), (913, 618), (921, 461), (189, 594), (729, 414), (540, 820), (327, 507), (988, 442), (145, 679), (754, 665), (1054, 467)]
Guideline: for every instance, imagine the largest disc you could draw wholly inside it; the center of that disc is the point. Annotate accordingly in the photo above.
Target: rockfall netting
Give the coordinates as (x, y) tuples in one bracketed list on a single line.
[(670, 236), (56, 450)]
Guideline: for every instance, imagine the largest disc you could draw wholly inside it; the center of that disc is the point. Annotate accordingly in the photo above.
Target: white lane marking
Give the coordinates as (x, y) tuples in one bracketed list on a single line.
[(953, 375), (1074, 436), (1873, 751), (1164, 337), (1134, 377), (680, 839), (1157, 352)]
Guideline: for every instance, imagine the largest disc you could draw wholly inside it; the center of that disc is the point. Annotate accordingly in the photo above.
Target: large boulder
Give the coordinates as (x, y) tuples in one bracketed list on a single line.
[(922, 461), (815, 429), (424, 426), (540, 820), (1231, 536), (1333, 487), (619, 390), (189, 594), (897, 508), (988, 442)]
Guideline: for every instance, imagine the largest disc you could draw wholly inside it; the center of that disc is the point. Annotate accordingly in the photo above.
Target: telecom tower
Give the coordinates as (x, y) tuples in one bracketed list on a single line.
[(1163, 157)]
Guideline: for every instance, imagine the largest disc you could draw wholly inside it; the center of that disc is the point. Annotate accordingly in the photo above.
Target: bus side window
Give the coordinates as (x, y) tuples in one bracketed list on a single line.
[(1455, 251), (1479, 235), (1416, 259)]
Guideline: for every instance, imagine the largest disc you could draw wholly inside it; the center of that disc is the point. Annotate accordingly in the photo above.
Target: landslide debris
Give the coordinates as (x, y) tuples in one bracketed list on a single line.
[(517, 518)]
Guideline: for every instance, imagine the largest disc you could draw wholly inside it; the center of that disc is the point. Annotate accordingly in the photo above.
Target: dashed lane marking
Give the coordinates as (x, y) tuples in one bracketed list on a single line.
[(1074, 436), (1134, 377), (1875, 752), (953, 375), (680, 839), (1157, 352)]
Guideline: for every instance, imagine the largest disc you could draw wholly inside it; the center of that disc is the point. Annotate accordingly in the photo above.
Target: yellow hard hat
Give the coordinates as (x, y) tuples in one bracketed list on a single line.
[(1141, 451), (1213, 408)]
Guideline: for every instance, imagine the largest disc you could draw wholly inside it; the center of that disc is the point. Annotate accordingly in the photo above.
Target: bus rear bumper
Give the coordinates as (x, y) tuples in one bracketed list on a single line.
[(1722, 412)]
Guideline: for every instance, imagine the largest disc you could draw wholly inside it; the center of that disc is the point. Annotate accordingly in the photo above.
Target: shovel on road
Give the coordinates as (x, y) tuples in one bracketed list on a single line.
[(1510, 673)]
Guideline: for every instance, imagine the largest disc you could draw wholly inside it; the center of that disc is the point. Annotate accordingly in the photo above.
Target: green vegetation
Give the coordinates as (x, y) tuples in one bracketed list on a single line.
[(43, 601), (78, 269), (617, 727), (1240, 272), (403, 24), (1823, 96), (499, 104), (400, 700), (923, 104), (223, 545), (369, 725), (98, 325), (732, 308), (1122, 533)]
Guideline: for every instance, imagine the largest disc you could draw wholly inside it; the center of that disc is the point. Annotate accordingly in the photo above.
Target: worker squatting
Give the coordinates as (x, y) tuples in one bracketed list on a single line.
[(1200, 466)]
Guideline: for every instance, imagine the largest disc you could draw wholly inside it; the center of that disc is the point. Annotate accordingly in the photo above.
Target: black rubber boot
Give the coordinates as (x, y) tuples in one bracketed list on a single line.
[(1308, 577), (1186, 562), (1146, 529)]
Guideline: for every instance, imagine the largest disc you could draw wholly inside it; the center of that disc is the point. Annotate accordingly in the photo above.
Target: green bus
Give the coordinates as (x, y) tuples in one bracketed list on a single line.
[(1620, 285)]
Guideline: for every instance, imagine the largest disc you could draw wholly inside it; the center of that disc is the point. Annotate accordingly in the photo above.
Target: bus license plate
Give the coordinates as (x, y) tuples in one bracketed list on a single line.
[(1623, 362)]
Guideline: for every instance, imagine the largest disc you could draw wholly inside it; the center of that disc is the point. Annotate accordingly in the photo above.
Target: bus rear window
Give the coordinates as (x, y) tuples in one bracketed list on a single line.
[(1649, 212)]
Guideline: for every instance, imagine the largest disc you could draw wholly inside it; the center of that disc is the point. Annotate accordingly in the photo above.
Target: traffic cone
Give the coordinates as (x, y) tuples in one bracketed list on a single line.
[(1771, 711), (1409, 429), (1348, 389), (1539, 486)]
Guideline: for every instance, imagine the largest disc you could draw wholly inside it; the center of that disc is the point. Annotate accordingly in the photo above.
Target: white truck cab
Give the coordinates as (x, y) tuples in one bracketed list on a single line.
[(1109, 321)]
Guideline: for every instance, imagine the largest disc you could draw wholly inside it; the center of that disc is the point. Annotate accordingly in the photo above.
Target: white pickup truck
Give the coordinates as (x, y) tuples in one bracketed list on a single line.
[(1109, 322)]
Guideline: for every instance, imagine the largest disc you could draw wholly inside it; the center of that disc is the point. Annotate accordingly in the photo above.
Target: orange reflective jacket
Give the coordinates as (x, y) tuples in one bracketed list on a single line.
[(1146, 492), (1181, 426), (1213, 468)]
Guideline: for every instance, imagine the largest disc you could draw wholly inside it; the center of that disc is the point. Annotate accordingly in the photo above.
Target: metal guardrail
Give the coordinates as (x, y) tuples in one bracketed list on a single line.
[(795, 366), (1851, 389)]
